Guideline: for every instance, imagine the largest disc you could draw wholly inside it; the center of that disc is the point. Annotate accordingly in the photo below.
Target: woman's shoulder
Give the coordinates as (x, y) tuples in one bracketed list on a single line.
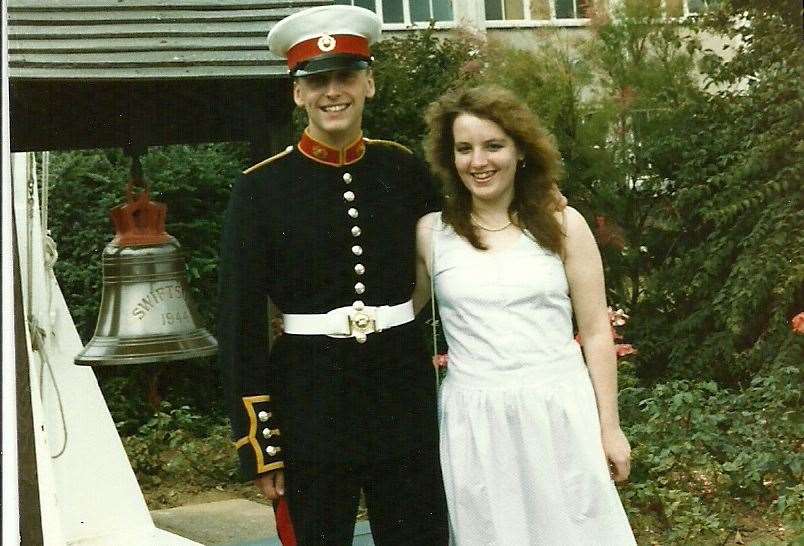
[(570, 219), (425, 230), (429, 221)]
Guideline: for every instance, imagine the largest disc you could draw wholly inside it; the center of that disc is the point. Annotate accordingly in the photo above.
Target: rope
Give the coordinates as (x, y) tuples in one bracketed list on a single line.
[(49, 249), (49, 245), (37, 333), (38, 344)]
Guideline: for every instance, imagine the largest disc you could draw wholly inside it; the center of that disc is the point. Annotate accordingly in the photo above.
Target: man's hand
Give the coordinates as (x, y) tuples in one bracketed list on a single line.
[(277, 326), (558, 198), (440, 361), (272, 484)]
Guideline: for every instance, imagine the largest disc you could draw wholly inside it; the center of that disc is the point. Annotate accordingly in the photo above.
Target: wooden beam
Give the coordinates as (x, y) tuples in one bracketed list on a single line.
[(28, 477)]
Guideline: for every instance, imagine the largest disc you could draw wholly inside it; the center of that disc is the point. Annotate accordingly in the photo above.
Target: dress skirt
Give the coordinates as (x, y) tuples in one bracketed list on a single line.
[(523, 464)]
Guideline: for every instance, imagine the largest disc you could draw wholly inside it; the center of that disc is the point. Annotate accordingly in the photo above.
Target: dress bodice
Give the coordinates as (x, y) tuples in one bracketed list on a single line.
[(503, 310)]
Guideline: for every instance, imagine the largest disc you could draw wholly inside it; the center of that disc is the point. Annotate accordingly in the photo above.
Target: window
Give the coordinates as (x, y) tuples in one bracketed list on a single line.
[(403, 13), (545, 11), (682, 8), (701, 6)]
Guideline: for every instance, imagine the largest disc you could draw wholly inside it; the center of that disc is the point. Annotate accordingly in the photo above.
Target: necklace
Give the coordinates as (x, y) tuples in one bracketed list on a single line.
[(484, 228)]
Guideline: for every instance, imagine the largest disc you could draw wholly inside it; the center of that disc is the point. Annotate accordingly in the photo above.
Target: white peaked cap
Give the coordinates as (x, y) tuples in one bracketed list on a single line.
[(315, 32)]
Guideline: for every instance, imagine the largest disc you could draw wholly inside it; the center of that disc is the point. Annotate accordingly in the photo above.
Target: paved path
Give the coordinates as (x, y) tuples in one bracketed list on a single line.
[(236, 522)]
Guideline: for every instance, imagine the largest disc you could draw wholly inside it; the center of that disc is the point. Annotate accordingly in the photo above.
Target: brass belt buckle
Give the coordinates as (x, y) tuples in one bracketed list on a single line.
[(360, 325)]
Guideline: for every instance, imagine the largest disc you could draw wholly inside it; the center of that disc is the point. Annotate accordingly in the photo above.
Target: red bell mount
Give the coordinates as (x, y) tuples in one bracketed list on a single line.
[(139, 221)]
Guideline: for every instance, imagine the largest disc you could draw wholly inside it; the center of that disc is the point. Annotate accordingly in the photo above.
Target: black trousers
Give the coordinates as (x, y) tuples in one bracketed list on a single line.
[(405, 501)]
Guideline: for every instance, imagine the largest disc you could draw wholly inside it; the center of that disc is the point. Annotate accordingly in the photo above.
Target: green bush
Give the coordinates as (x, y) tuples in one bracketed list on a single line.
[(178, 445), (703, 453), (719, 302), (410, 72)]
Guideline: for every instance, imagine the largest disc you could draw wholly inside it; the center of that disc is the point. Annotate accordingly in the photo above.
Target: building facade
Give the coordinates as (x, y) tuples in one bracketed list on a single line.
[(503, 14)]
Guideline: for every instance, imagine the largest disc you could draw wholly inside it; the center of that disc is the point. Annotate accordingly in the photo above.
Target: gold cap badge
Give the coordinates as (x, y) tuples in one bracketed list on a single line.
[(326, 43)]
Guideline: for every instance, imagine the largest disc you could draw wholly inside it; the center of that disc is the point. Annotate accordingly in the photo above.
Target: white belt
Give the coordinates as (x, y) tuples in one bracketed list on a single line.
[(355, 321)]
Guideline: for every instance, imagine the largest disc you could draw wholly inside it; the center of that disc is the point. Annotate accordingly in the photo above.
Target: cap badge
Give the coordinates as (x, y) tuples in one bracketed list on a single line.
[(326, 43)]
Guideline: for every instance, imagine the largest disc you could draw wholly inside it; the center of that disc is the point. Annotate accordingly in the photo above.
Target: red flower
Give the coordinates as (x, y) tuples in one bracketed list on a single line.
[(798, 323), (619, 318)]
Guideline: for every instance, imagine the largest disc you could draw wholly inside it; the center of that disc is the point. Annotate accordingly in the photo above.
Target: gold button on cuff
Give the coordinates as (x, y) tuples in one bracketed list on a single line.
[(263, 416)]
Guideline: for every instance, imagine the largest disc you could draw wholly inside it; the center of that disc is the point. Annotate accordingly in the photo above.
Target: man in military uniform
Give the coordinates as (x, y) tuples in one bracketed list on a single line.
[(326, 229)]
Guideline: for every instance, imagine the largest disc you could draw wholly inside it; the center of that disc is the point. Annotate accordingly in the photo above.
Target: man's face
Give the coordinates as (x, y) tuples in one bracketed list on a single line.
[(334, 102)]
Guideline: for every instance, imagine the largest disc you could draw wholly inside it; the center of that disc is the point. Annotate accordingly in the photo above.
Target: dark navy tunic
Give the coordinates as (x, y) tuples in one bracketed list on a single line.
[(316, 229)]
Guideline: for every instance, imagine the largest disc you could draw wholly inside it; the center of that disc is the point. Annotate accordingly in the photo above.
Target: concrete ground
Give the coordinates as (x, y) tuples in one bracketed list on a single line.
[(235, 522)]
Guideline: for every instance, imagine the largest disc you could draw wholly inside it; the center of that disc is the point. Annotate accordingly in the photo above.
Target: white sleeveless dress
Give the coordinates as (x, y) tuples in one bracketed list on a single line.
[(521, 453)]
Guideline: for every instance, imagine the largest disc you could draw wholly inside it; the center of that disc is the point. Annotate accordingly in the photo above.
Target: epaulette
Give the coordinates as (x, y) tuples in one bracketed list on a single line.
[(264, 162), (388, 143)]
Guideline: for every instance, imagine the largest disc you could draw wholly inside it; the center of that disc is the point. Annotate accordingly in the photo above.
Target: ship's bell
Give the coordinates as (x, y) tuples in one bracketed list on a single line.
[(146, 313)]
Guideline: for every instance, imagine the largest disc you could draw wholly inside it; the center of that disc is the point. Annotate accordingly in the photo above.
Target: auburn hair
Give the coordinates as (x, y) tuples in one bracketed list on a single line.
[(533, 205)]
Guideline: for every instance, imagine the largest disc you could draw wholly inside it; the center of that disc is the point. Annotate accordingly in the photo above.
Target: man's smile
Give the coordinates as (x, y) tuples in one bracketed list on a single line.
[(333, 108)]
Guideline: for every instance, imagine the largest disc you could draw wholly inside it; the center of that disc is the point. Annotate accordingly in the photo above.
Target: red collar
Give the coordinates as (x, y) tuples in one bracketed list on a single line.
[(318, 151)]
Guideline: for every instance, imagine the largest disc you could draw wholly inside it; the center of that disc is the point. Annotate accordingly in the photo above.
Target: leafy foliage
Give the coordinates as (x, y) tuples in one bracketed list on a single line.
[(180, 445), (720, 304), (410, 72), (703, 452)]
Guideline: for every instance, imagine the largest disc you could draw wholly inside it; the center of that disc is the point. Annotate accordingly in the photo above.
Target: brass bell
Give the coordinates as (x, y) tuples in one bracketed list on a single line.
[(146, 313)]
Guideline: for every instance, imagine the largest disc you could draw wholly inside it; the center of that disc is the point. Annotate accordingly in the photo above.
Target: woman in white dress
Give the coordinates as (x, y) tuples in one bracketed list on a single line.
[(530, 435)]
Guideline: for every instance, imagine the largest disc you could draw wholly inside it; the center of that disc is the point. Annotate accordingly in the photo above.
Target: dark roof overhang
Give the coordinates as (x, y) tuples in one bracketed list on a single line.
[(103, 73)]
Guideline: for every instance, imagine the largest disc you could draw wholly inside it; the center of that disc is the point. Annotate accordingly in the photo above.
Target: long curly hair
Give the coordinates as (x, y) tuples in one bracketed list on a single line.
[(533, 204)]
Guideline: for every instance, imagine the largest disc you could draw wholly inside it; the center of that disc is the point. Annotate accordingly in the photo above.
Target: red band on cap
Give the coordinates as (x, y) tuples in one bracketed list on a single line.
[(345, 44)]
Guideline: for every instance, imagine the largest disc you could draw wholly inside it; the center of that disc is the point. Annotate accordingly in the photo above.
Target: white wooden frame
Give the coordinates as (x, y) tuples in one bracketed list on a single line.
[(553, 21), (685, 6), (407, 23)]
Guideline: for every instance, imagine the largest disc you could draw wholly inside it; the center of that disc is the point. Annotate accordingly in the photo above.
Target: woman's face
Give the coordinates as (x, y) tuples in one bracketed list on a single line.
[(485, 158)]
